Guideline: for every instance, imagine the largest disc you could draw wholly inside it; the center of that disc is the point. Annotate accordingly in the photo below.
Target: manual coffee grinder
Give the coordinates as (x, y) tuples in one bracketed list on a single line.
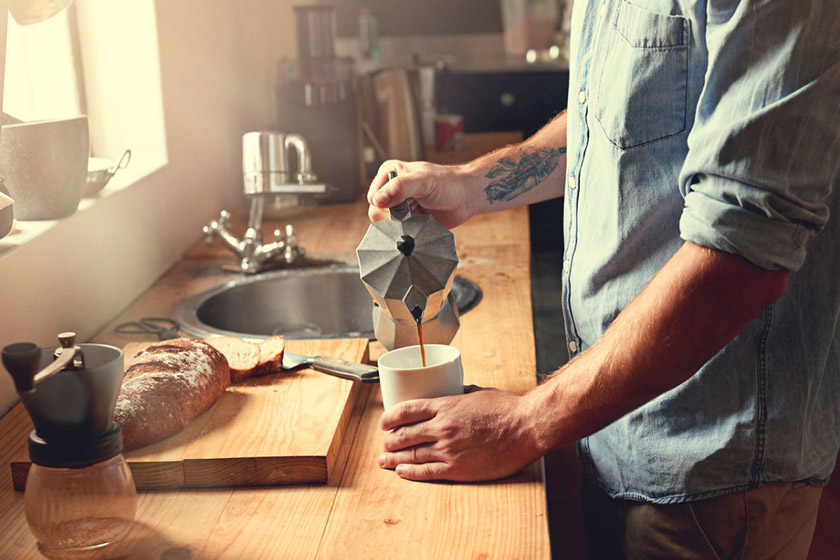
[(80, 494), (407, 263)]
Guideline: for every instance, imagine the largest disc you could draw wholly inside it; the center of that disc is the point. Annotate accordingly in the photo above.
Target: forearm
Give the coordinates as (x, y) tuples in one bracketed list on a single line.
[(515, 175), (524, 173), (697, 303)]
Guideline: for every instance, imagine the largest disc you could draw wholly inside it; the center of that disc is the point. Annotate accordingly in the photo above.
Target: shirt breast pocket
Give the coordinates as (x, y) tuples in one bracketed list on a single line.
[(640, 95)]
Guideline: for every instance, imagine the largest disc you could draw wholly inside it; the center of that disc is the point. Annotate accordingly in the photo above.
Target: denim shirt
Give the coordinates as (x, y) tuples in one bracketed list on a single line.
[(715, 122)]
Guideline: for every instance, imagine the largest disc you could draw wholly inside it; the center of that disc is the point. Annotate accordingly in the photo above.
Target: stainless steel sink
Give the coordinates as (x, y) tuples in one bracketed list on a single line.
[(326, 302)]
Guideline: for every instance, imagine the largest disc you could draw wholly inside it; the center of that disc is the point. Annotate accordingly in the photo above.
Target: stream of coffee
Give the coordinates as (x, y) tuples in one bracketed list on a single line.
[(420, 336)]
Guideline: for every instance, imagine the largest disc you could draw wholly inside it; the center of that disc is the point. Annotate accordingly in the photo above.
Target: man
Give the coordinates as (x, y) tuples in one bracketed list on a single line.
[(704, 386)]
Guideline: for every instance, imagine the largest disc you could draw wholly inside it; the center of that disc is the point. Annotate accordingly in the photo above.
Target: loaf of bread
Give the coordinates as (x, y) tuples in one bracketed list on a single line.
[(166, 386), (250, 359)]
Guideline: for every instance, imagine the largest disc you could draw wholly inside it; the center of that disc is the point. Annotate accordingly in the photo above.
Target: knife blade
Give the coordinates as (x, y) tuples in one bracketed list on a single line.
[(333, 366)]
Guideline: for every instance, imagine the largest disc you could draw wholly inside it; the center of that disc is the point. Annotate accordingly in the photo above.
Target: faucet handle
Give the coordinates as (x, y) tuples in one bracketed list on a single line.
[(285, 235), (216, 226), (288, 238), (210, 232)]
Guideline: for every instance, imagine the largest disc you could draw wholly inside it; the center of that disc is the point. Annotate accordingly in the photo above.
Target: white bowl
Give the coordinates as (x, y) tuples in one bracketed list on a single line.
[(44, 164)]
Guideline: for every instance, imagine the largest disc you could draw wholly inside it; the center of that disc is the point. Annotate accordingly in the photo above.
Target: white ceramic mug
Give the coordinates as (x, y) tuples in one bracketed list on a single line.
[(402, 376)]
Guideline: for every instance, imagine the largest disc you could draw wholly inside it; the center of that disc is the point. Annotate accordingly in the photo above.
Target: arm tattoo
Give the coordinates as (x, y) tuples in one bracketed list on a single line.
[(511, 178)]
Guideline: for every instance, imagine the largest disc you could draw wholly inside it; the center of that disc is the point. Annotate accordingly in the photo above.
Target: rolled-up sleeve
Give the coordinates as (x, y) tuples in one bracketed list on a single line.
[(764, 149)]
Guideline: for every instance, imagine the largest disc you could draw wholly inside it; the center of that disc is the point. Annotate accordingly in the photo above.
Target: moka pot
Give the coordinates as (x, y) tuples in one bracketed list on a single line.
[(407, 263)]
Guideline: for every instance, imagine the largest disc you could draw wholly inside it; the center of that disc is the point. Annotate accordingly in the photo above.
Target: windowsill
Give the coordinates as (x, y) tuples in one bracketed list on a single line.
[(25, 231)]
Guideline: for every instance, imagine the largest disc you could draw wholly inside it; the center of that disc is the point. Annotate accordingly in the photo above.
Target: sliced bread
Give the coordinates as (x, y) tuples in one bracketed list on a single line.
[(250, 359), (271, 355), (242, 356)]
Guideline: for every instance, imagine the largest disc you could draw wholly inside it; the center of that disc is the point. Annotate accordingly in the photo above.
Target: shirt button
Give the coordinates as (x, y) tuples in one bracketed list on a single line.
[(573, 346), (566, 266), (582, 96), (572, 183)]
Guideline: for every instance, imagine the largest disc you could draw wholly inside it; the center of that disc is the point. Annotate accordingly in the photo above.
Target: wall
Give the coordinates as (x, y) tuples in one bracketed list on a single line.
[(218, 71)]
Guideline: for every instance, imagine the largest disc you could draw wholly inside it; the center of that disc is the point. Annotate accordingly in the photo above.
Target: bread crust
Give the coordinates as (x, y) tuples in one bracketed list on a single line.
[(166, 386)]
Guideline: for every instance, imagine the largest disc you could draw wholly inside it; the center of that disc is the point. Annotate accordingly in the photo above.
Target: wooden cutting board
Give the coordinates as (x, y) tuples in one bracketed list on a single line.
[(283, 428)]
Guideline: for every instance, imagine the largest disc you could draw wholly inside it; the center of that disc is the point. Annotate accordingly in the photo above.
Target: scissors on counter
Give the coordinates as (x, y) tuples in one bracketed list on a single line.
[(161, 327)]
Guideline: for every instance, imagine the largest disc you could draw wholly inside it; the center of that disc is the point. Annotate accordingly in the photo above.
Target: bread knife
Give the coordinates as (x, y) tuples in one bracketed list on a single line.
[(332, 366)]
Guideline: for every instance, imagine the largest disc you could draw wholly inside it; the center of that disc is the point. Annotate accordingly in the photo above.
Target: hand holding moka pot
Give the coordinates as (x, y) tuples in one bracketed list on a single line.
[(407, 263)]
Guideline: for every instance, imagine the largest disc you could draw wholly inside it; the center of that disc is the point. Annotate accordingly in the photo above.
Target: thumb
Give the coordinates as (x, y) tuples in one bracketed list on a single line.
[(392, 193)]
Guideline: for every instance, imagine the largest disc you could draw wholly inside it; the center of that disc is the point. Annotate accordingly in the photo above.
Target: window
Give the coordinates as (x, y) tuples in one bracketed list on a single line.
[(98, 58), (41, 73), (118, 44)]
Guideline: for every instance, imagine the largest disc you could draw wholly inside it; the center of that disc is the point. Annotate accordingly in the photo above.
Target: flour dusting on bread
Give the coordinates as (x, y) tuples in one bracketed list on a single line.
[(166, 386)]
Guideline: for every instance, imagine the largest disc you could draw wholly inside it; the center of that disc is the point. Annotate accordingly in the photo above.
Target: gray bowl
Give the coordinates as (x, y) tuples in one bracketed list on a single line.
[(100, 171), (44, 164)]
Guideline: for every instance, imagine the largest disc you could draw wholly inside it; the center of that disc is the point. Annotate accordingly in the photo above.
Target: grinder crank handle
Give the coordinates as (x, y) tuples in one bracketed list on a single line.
[(21, 361), (23, 358)]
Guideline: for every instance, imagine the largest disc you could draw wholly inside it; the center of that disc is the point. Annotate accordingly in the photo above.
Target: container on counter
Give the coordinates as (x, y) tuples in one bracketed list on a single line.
[(449, 133)]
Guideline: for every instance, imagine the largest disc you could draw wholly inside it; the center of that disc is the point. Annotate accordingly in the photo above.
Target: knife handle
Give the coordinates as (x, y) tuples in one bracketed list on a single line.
[(345, 369)]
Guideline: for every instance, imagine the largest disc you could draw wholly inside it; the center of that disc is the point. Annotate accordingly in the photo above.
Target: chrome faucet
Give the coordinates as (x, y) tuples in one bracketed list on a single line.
[(266, 173), (254, 255)]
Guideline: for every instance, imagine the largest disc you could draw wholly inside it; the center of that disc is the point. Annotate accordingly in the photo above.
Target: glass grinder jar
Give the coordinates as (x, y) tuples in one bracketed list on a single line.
[(73, 509)]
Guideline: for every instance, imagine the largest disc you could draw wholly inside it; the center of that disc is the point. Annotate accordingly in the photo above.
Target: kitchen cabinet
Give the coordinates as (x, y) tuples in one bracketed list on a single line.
[(504, 98)]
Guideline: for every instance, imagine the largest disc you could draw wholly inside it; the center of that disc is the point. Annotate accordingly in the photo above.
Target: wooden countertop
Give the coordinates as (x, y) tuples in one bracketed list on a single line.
[(363, 511)]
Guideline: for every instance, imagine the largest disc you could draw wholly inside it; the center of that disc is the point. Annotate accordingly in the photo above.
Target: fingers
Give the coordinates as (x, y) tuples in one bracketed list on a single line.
[(409, 447), (380, 179), (382, 191), (408, 412), (408, 436), (424, 453), (417, 463), (377, 214), (424, 471)]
